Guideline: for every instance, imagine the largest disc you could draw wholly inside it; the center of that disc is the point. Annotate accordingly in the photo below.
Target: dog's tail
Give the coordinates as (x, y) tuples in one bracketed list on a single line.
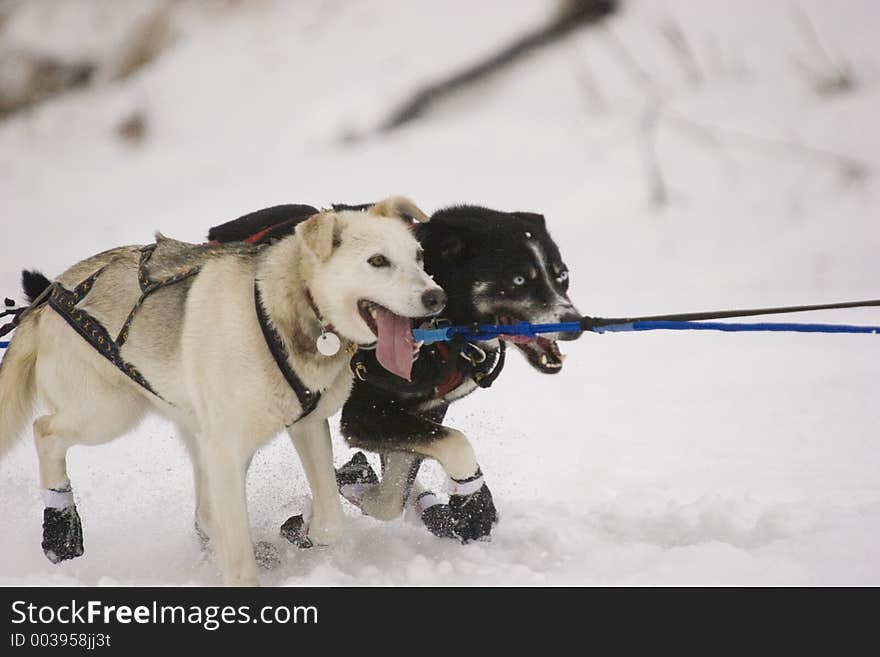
[(34, 284), (17, 380)]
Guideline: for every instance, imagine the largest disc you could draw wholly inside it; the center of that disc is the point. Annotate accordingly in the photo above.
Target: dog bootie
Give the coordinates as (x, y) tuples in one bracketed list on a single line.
[(62, 527), (355, 477), (472, 507), (296, 530), (474, 514), (356, 471), (433, 514)]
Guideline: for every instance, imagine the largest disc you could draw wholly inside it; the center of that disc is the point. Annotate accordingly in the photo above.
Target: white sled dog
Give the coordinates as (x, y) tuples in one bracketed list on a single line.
[(233, 343)]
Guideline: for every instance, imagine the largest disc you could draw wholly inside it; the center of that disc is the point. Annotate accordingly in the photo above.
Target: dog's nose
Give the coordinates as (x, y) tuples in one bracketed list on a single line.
[(571, 316), (434, 300)]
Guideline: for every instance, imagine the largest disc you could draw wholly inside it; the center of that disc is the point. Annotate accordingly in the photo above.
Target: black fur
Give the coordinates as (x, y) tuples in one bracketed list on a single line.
[(33, 283), (467, 244)]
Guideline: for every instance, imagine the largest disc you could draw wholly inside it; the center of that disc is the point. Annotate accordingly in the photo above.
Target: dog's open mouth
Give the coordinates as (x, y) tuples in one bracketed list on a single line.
[(542, 353), (394, 338)]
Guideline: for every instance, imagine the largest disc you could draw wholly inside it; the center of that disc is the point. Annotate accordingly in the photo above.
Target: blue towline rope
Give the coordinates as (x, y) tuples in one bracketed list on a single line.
[(490, 331), (736, 327), (678, 322)]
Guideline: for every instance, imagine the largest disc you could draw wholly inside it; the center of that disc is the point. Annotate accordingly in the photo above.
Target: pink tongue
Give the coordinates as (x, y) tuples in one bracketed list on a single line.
[(395, 348)]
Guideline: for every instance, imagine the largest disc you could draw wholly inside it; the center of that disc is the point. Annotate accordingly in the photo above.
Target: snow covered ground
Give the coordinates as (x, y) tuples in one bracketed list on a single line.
[(664, 458)]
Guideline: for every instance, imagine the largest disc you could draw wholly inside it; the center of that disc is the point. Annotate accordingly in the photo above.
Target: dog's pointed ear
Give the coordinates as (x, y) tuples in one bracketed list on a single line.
[(321, 234), (533, 217), (400, 207)]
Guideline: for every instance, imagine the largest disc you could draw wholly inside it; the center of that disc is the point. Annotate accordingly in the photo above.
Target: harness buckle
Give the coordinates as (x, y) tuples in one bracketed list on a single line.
[(478, 357)]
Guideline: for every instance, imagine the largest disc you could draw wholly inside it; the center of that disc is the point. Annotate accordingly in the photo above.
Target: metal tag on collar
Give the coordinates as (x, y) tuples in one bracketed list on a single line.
[(328, 344)]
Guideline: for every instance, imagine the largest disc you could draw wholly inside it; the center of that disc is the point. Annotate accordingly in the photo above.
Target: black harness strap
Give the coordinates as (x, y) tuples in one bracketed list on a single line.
[(484, 376), (146, 253), (148, 286), (308, 399), (64, 302)]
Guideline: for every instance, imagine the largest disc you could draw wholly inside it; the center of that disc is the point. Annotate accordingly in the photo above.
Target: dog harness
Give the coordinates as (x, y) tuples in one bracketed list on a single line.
[(483, 369), (454, 363), (308, 399), (65, 302)]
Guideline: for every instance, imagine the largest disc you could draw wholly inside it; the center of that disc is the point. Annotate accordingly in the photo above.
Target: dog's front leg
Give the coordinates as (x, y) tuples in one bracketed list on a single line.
[(225, 470), (312, 442), (386, 500), (473, 512)]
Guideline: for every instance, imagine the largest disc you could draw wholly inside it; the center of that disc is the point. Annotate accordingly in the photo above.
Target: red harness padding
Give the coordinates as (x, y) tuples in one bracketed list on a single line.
[(252, 239), (455, 376)]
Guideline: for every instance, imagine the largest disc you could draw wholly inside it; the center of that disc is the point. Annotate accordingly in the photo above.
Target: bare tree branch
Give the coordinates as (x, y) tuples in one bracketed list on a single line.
[(577, 13), (658, 191), (681, 48), (836, 76)]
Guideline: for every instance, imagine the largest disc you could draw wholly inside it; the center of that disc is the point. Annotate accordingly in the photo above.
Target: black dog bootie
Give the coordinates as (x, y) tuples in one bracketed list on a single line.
[(62, 534)]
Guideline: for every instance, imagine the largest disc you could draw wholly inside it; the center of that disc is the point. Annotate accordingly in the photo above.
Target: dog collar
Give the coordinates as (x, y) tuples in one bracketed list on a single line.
[(328, 343), (325, 327)]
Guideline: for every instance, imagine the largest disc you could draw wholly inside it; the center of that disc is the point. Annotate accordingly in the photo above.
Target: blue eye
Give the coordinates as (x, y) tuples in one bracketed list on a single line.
[(519, 280)]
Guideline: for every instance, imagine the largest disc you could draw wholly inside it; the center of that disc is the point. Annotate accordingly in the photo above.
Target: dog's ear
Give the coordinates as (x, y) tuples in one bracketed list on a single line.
[(400, 207), (321, 234), (532, 217)]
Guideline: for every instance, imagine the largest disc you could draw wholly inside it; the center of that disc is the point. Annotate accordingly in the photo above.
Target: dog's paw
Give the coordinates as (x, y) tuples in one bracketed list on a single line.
[(356, 471), (296, 531), (62, 534), (473, 514)]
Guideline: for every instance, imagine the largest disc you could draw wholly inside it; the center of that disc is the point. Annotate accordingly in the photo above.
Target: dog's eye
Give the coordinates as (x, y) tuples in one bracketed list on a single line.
[(519, 280), (563, 276), (379, 260)]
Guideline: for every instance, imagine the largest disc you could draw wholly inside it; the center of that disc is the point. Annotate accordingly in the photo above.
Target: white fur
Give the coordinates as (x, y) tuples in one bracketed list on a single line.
[(560, 304)]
